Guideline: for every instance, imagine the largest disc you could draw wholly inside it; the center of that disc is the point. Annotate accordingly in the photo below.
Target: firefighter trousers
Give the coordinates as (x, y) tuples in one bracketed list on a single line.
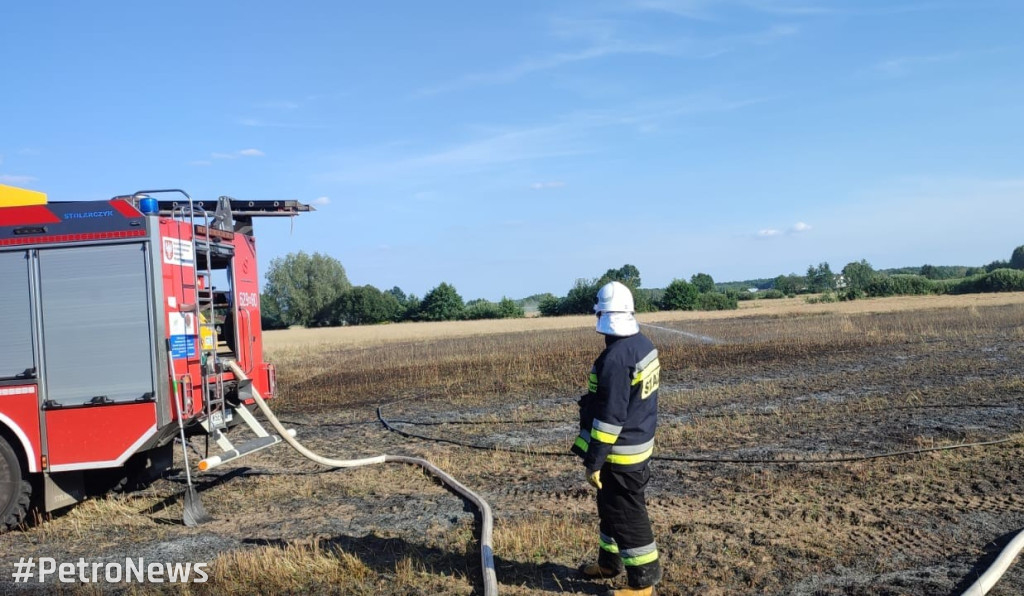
[(627, 539)]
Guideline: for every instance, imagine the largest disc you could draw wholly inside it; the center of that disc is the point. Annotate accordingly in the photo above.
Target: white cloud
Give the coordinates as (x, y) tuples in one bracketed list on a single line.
[(13, 179), (544, 185), (237, 154), (322, 201), (797, 228)]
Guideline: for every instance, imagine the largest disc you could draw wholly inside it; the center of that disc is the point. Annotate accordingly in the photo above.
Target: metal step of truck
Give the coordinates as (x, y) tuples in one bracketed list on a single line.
[(250, 446), (229, 452)]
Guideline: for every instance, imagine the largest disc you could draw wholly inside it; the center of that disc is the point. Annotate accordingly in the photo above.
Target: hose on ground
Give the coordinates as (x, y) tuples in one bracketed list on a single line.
[(983, 584), (490, 580), (388, 424), (978, 588), (702, 415)]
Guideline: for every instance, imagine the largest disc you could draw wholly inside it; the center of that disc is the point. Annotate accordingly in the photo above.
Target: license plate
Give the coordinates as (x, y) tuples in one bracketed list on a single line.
[(221, 418)]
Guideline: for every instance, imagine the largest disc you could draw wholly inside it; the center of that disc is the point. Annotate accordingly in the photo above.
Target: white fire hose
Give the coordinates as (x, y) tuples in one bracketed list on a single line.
[(995, 571), (486, 518)]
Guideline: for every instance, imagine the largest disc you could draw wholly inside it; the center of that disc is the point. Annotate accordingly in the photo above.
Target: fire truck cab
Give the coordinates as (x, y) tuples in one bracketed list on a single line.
[(117, 319)]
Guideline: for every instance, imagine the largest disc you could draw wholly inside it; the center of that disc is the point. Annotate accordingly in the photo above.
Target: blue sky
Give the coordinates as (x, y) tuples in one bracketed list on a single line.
[(509, 148)]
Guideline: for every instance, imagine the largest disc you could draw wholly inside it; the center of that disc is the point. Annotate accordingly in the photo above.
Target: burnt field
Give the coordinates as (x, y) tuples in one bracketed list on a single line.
[(778, 393)]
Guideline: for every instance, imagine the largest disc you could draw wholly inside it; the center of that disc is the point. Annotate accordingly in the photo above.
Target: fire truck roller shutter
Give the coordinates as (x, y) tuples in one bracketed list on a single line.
[(98, 332)]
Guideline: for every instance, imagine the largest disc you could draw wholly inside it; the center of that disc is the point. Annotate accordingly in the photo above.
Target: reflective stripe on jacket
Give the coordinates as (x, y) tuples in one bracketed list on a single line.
[(619, 414)]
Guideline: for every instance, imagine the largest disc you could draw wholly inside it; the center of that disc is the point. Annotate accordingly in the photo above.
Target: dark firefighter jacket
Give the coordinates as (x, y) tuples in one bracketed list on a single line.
[(619, 414)]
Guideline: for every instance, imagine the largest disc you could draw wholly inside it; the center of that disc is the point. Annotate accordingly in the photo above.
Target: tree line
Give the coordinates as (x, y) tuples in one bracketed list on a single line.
[(314, 291), (859, 279), (700, 293)]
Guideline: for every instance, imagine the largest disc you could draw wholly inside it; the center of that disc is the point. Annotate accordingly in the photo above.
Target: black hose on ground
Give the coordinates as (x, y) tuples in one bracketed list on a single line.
[(695, 459)]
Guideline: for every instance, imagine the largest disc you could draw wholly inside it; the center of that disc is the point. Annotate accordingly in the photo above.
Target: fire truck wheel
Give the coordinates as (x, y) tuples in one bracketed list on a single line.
[(15, 490)]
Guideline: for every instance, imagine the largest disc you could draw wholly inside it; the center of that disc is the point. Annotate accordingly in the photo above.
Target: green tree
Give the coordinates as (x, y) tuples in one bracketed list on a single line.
[(705, 283), (929, 271), (306, 287), (411, 308), (409, 302), (627, 274), (549, 306), (366, 305), (481, 309), (1017, 258), (270, 313), (788, 284), (858, 274), (485, 309), (442, 303), (717, 301), (398, 294), (996, 265), (508, 309), (680, 295), (644, 300), (821, 278), (580, 299), (582, 296)]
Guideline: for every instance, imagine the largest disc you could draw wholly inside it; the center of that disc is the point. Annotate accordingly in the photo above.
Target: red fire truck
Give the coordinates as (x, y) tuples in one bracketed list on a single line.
[(118, 320)]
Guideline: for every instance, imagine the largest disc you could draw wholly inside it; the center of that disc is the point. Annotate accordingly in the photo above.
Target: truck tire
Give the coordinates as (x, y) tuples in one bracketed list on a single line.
[(15, 490)]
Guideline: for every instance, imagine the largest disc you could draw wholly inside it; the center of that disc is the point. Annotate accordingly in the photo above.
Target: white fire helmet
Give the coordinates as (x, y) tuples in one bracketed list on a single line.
[(614, 310)]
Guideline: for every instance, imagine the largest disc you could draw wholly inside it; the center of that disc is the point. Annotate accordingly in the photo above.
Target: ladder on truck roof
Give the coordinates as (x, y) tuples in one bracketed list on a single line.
[(237, 214), (230, 214)]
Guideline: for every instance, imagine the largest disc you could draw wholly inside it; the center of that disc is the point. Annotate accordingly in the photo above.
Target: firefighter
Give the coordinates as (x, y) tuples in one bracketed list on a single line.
[(618, 417)]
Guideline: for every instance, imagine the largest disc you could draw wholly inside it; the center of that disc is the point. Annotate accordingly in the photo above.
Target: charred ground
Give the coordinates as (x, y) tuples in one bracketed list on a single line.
[(778, 386)]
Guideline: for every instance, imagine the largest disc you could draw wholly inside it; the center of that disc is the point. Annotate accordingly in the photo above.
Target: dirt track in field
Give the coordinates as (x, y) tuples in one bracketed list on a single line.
[(780, 387)]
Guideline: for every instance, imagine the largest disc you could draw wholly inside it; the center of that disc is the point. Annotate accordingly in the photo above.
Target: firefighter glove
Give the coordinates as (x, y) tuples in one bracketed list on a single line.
[(594, 478)]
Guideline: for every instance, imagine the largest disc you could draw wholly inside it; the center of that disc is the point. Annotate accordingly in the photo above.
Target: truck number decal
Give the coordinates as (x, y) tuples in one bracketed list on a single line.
[(248, 300)]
